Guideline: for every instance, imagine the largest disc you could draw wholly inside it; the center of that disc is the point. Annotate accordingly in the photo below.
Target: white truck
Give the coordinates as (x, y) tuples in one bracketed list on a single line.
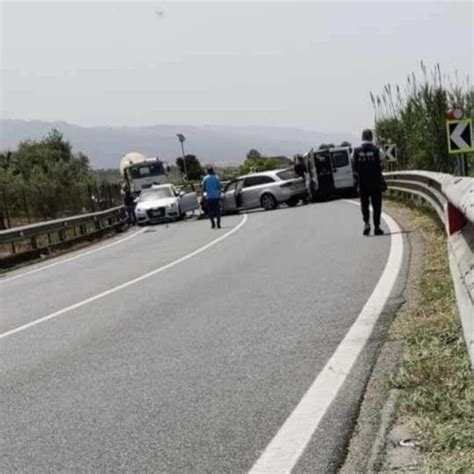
[(328, 172), (140, 172)]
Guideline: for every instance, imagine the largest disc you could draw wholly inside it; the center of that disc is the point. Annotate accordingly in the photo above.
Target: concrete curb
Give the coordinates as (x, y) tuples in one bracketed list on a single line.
[(386, 421)]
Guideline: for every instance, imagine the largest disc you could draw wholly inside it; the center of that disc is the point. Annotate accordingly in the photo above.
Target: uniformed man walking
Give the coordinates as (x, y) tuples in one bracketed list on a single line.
[(368, 166)]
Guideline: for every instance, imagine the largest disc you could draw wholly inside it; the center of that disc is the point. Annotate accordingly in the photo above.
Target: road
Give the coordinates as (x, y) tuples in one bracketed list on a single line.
[(174, 352)]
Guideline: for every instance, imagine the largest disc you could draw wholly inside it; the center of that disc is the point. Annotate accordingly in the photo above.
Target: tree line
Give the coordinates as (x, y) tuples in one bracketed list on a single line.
[(44, 179)]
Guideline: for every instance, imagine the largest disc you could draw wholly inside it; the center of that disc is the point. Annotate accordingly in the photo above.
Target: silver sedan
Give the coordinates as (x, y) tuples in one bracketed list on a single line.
[(266, 189)]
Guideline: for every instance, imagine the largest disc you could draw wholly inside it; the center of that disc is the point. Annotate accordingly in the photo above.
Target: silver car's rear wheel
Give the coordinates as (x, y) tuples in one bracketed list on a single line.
[(268, 202)]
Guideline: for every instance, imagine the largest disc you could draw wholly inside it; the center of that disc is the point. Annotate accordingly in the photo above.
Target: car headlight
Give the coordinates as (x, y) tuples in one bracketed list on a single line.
[(171, 206), (140, 211)]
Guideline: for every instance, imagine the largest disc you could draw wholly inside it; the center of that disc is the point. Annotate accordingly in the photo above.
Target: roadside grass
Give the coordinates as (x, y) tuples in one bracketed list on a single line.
[(434, 378)]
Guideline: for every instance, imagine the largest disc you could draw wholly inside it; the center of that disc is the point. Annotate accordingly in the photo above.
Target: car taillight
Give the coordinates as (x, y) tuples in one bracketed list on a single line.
[(286, 185)]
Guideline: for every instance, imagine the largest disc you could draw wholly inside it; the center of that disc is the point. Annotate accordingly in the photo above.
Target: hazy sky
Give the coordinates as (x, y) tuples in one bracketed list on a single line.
[(294, 64)]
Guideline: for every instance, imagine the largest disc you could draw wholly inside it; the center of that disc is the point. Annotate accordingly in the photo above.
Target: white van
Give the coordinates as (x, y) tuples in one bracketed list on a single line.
[(329, 171)]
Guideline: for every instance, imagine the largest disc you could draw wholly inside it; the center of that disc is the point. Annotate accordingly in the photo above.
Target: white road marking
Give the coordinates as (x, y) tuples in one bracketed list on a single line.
[(283, 452), (126, 284), (69, 259)]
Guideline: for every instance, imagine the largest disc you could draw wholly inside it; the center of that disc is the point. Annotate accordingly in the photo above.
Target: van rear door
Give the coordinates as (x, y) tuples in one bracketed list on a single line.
[(342, 167), (324, 170)]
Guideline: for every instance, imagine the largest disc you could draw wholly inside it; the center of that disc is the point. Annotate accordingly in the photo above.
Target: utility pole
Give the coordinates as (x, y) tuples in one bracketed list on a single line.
[(181, 139)]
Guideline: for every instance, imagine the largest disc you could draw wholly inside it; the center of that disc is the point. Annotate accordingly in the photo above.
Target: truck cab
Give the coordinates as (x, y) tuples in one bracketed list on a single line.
[(140, 172), (329, 172)]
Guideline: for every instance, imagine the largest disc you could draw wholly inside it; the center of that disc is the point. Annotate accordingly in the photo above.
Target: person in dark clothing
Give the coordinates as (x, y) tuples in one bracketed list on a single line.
[(129, 202), (300, 170), (368, 166), (299, 167)]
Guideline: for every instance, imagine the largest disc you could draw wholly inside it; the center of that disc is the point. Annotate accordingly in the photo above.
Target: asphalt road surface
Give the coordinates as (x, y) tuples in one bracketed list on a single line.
[(192, 368)]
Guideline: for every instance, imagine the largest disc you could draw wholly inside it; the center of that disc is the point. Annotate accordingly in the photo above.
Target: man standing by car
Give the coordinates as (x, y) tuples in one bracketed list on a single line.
[(368, 166), (300, 170), (129, 202), (211, 185)]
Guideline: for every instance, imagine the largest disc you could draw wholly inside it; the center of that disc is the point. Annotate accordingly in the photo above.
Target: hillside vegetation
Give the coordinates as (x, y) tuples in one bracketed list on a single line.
[(414, 117)]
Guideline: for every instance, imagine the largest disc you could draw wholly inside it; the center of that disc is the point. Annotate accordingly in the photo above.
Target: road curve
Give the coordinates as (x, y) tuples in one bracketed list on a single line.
[(194, 368)]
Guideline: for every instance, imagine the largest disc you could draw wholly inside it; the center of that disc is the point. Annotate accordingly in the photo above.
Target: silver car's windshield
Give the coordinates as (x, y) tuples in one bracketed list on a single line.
[(151, 195)]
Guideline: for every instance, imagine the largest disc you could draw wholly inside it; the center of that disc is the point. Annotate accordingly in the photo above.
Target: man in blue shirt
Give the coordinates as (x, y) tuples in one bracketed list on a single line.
[(211, 185)]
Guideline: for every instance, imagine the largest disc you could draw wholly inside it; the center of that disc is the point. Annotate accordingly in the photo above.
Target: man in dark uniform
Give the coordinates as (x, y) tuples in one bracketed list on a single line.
[(129, 202), (368, 166), (300, 170), (299, 166)]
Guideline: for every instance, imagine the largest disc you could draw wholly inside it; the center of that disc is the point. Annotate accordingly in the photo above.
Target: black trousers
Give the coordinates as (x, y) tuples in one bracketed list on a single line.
[(132, 219), (374, 197), (214, 210)]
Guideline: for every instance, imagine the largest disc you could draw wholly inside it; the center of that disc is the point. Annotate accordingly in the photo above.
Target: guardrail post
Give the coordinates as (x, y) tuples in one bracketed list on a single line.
[(6, 210), (34, 243), (455, 219), (62, 234)]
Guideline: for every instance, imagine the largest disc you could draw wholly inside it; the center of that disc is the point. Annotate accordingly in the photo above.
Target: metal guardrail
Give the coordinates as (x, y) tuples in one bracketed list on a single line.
[(453, 200), (21, 243), (30, 241)]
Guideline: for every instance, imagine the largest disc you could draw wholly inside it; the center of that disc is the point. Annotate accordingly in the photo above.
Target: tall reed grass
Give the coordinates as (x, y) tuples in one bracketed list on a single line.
[(414, 117)]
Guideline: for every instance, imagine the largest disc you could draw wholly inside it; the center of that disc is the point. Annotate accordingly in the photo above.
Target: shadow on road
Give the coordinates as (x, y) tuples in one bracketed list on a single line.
[(388, 234)]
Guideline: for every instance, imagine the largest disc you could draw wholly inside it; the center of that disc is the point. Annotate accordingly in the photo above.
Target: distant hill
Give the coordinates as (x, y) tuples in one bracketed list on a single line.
[(215, 144)]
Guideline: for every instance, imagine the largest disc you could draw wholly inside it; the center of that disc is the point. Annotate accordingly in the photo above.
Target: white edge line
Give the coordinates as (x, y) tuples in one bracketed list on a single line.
[(124, 285), (284, 450), (69, 259)]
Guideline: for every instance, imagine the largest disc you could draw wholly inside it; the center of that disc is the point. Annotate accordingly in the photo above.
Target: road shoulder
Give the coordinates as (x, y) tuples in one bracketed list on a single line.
[(418, 410), (375, 418)]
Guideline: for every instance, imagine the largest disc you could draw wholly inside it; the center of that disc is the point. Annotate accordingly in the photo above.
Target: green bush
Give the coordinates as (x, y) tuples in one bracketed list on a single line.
[(45, 180)]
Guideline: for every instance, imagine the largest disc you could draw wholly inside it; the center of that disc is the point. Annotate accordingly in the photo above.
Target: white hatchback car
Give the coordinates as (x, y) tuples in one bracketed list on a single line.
[(164, 202)]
